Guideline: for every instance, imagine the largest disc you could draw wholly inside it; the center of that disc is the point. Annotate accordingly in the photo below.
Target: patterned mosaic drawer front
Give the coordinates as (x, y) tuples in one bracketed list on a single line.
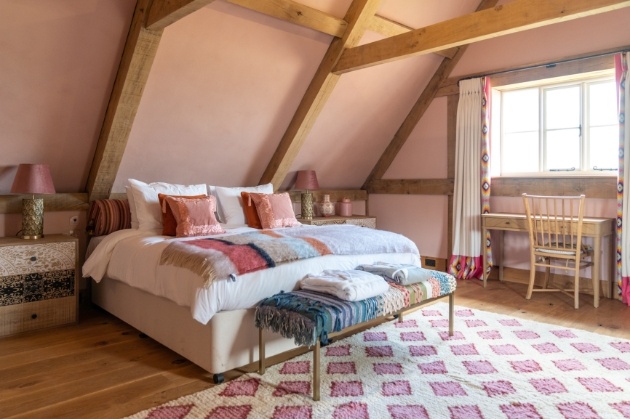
[(18, 289), (33, 258)]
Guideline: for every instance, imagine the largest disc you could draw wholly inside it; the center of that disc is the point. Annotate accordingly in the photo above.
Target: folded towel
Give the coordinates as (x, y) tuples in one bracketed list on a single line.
[(399, 273), (349, 285)]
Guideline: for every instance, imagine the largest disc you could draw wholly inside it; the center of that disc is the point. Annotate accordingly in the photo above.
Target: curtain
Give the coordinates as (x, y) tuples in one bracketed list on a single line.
[(622, 63), (472, 180)]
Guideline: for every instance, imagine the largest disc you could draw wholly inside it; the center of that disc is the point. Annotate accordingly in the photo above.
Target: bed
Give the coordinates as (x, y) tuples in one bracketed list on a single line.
[(207, 315)]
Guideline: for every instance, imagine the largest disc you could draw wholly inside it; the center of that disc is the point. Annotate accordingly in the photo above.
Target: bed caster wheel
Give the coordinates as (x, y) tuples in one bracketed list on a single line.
[(218, 378)]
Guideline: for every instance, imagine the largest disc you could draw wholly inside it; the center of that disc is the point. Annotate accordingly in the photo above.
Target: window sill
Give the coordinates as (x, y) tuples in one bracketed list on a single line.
[(603, 187)]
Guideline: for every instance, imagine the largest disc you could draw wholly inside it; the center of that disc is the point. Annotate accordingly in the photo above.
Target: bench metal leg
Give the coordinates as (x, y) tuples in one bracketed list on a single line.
[(451, 313), (261, 352), (316, 371)]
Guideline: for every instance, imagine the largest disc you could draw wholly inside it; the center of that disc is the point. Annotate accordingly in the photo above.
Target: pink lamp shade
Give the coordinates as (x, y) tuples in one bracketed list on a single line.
[(306, 179), (33, 179)]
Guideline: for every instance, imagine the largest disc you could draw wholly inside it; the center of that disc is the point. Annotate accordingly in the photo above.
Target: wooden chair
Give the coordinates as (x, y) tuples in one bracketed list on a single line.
[(555, 237)]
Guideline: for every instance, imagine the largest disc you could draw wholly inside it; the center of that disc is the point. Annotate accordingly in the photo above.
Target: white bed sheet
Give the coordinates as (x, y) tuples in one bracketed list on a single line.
[(132, 256)]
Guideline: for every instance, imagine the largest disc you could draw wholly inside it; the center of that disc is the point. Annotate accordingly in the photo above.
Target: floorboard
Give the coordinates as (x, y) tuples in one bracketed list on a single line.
[(103, 368)]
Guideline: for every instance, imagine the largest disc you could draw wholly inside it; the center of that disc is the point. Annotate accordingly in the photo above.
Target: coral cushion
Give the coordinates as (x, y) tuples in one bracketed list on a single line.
[(251, 213), (169, 224), (194, 216), (275, 210)]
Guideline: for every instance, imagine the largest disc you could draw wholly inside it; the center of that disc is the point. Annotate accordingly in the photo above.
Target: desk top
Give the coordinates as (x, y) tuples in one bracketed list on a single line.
[(592, 226)]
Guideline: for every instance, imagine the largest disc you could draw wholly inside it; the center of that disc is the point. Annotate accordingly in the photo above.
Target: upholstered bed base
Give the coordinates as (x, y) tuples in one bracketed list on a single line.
[(228, 341)]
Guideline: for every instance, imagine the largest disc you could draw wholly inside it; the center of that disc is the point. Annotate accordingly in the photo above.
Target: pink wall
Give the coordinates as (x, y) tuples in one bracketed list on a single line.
[(424, 155), (59, 60), (57, 66)]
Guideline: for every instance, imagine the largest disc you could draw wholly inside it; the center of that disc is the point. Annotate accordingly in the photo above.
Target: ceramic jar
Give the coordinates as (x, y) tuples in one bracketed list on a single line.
[(345, 207), (327, 208)]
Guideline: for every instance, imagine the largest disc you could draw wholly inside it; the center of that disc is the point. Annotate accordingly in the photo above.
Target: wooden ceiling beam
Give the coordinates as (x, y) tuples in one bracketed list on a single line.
[(299, 14), (133, 72), (417, 111), (358, 15), (389, 28), (165, 12), (516, 16), (294, 12)]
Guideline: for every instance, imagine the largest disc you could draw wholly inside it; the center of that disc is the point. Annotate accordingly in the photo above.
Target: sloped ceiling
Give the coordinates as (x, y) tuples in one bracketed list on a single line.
[(275, 60)]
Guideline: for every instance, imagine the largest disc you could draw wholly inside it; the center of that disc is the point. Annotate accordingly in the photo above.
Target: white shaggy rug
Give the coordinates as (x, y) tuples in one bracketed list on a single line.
[(493, 367)]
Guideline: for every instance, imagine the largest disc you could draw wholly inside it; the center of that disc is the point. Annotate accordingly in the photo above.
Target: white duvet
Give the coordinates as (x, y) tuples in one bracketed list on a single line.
[(132, 256)]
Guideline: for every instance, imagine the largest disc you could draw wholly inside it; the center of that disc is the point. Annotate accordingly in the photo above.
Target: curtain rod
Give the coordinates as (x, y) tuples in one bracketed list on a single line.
[(547, 65)]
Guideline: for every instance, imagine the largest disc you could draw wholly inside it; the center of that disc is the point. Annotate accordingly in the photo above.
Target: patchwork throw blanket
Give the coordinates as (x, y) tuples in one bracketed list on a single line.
[(230, 256), (307, 316)]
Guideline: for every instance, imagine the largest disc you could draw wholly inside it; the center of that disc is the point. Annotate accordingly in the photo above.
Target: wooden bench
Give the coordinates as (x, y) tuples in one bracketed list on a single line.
[(312, 318)]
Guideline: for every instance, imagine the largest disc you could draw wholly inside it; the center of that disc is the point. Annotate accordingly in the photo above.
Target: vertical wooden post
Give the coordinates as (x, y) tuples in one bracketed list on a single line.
[(261, 352), (316, 371)]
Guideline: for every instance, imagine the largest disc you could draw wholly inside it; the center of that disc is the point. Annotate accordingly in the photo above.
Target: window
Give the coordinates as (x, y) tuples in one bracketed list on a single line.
[(552, 127)]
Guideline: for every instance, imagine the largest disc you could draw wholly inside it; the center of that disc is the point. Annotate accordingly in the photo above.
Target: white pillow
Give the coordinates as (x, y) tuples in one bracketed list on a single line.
[(132, 208), (147, 206), (230, 202)]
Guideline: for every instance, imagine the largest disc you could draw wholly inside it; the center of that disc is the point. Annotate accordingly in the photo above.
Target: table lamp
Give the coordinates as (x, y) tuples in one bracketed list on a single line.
[(306, 179), (33, 179)]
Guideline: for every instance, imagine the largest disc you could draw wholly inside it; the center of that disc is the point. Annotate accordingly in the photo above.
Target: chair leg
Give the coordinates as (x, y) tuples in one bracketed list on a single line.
[(576, 289), (532, 278), (547, 275)]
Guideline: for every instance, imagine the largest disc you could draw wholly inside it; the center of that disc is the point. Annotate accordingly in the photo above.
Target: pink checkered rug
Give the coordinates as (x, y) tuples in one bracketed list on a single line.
[(493, 367)]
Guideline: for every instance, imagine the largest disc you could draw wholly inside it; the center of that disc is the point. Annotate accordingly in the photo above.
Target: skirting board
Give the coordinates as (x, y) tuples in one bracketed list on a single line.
[(521, 276), (438, 264)]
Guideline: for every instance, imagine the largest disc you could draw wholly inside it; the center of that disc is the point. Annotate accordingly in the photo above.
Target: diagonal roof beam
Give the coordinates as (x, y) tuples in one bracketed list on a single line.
[(317, 93), (516, 16), (133, 72), (417, 111)]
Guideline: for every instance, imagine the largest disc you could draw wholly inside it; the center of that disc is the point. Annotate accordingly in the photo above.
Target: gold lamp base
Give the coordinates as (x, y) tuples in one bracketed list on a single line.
[(307, 205), (32, 218)]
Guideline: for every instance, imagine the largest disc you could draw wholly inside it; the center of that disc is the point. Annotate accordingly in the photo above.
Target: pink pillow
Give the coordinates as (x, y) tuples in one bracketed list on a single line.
[(274, 210), (194, 216)]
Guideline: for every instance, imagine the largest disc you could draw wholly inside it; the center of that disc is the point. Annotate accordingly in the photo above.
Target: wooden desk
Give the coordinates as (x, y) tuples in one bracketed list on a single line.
[(598, 228)]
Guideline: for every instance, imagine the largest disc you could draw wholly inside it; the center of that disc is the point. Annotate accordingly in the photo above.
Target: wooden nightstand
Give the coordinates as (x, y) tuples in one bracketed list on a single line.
[(360, 220), (38, 283)]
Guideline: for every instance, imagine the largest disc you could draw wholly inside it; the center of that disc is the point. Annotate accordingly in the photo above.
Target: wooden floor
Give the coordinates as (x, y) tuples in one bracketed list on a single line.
[(103, 368)]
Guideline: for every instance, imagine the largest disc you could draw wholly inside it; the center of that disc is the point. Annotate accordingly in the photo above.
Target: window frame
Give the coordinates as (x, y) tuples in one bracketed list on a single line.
[(582, 80)]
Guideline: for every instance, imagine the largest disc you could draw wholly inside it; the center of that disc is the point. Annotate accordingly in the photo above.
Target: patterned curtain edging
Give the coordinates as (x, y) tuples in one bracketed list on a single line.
[(486, 179), (466, 267), (623, 201)]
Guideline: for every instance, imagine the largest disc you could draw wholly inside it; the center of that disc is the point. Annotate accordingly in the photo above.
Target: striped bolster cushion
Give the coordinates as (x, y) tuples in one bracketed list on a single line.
[(108, 215)]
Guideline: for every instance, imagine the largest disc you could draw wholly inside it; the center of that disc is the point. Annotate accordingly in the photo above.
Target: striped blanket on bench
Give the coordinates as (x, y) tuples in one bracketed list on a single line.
[(309, 317)]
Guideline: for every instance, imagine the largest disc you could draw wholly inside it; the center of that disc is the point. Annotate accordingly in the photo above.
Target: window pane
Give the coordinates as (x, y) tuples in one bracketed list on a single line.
[(603, 104), (563, 149), (562, 107), (604, 147), (520, 153), (520, 110)]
